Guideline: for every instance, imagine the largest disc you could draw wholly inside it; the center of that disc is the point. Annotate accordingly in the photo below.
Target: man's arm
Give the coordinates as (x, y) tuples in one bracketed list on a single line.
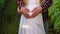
[(47, 4), (20, 3)]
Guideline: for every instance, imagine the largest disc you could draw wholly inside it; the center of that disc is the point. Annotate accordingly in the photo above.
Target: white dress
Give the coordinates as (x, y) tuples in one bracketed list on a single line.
[(33, 25)]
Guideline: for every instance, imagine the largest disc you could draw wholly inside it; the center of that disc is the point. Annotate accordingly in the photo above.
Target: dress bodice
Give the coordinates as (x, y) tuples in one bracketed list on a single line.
[(31, 4)]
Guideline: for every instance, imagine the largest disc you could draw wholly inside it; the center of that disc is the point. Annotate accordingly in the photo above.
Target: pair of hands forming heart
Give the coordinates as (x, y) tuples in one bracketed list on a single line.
[(35, 11)]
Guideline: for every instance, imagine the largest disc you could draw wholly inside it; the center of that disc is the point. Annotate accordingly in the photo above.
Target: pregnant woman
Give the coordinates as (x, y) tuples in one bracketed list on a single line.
[(31, 18)]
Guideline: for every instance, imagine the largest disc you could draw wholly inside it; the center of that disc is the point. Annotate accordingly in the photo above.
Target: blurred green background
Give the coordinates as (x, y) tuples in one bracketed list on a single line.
[(9, 19)]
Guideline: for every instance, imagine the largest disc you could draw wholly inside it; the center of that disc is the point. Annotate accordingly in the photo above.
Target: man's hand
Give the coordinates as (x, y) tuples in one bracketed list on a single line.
[(36, 11), (25, 11), (18, 11)]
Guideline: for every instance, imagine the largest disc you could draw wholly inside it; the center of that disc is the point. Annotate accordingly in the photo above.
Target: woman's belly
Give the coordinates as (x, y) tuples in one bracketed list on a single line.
[(31, 5), (31, 8)]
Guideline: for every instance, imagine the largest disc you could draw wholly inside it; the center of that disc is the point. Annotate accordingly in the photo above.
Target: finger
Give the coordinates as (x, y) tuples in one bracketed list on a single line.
[(26, 9), (26, 15)]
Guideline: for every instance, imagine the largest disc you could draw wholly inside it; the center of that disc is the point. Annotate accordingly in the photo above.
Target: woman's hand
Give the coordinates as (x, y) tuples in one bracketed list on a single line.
[(25, 11), (36, 11)]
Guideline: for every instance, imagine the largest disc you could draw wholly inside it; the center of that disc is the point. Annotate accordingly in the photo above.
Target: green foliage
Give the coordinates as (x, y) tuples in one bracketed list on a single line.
[(9, 20), (54, 14), (2, 2)]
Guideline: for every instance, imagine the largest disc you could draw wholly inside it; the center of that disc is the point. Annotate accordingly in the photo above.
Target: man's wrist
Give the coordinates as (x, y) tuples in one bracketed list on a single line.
[(41, 9)]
